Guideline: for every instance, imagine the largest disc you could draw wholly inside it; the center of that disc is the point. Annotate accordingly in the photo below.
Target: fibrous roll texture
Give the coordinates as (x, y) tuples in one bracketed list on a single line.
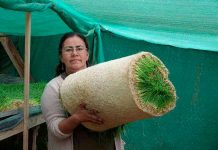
[(122, 90)]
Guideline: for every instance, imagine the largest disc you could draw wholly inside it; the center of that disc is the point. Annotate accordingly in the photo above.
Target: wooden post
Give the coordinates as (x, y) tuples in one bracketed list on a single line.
[(26, 81), (13, 54), (35, 134)]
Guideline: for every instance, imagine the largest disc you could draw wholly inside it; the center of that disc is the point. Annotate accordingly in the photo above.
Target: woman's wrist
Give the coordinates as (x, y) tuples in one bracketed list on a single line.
[(69, 124), (75, 119)]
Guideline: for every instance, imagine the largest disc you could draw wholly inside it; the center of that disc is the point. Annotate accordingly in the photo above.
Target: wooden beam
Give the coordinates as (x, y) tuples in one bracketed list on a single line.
[(13, 54)]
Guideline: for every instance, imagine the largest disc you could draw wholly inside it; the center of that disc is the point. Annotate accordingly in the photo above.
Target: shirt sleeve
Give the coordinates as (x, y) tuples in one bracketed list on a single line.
[(52, 110)]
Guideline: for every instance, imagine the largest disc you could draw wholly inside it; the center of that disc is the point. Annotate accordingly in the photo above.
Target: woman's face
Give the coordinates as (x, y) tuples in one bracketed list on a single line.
[(74, 54)]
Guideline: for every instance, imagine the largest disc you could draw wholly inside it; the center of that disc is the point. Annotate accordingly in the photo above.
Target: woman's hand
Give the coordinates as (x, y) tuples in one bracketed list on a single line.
[(81, 115), (87, 115)]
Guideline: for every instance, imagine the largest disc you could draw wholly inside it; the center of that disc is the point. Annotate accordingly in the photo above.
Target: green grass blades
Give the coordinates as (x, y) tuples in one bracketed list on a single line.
[(12, 95), (152, 83)]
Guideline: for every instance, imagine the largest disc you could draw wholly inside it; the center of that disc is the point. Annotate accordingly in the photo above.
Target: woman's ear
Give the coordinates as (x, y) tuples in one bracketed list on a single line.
[(60, 57)]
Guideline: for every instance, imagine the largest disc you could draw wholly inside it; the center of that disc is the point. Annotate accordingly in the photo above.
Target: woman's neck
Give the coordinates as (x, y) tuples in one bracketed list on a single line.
[(68, 72)]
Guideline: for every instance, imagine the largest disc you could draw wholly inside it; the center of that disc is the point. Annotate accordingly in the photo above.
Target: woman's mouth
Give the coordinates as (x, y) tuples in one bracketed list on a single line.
[(75, 60)]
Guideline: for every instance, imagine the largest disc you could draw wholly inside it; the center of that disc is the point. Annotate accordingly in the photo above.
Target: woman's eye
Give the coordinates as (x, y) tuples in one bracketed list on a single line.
[(79, 48), (68, 49)]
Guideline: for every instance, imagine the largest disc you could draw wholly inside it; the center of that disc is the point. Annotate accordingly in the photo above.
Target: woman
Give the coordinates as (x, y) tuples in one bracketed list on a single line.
[(65, 131)]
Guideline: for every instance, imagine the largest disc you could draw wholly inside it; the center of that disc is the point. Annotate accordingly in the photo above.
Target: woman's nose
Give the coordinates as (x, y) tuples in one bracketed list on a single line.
[(74, 52)]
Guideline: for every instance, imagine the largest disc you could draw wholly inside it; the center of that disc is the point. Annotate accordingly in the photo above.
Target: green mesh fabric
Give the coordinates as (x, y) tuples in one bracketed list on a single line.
[(182, 24), (183, 34), (189, 24)]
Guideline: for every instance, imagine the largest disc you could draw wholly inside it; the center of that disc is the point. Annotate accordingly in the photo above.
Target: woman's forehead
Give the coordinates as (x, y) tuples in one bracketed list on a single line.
[(73, 41)]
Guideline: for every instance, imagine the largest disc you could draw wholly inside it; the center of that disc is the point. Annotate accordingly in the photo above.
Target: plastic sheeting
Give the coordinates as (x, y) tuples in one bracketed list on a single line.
[(12, 121)]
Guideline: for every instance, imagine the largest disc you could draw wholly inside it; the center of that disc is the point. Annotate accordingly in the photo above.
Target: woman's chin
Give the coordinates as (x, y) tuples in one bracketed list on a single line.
[(76, 68)]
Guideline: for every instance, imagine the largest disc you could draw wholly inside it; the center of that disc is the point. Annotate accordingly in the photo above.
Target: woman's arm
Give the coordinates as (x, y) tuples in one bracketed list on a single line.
[(55, 116), (52, 109)]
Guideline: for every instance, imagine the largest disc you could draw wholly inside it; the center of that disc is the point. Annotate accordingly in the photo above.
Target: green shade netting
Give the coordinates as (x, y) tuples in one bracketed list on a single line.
[(47, 22), (184, 24), (174, 30)]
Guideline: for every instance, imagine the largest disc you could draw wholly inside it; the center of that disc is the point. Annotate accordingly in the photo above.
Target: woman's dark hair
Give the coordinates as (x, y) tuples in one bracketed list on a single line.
[(61, 66)]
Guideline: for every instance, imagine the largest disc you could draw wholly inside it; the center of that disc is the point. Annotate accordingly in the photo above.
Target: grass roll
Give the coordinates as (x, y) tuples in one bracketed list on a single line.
[(122, 90)]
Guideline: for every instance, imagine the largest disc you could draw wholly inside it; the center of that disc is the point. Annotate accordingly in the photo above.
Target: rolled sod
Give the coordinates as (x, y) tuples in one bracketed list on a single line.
[(122, 90)]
